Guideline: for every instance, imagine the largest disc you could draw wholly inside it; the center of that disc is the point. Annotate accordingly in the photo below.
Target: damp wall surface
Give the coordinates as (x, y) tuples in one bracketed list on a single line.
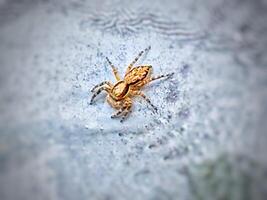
[(208, 139)]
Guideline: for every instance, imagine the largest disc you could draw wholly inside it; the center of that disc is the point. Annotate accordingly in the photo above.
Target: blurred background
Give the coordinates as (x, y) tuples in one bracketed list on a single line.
[(208, 140)]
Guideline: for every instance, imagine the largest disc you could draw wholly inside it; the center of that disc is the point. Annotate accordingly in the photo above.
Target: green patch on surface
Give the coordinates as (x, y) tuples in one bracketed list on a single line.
[(228, 177)]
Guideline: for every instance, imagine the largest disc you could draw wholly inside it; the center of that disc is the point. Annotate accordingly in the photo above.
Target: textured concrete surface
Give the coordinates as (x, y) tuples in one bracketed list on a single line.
[(208, 140)]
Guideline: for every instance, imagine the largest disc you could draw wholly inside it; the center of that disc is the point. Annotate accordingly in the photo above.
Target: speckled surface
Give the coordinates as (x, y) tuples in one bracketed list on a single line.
[(212, 112)]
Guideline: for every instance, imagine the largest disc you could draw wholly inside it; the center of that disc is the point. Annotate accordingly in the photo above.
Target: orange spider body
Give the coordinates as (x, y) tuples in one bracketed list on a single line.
[(133, 80), (119, 95)]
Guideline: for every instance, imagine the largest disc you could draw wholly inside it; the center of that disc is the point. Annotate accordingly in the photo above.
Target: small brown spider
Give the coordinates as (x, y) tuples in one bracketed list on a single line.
[(120, 94)]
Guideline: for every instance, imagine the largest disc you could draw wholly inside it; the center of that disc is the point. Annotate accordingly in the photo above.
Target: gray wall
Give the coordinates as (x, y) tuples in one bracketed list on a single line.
[(208, 139)]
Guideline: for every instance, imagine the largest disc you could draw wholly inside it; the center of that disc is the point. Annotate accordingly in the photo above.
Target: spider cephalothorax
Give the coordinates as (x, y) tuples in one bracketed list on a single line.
[(120, 94)]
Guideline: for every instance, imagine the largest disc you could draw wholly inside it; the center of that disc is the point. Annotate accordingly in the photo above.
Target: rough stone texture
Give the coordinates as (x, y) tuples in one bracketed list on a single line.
[(208, 140)]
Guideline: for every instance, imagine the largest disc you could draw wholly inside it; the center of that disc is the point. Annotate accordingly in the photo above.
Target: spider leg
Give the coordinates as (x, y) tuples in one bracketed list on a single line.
[(127, 110), (117, 114), (124, 110), (125, 114), (97, 92), (156, 78), (136, 59), (160, 76), (139, 93), (100, 85), (115, 71)]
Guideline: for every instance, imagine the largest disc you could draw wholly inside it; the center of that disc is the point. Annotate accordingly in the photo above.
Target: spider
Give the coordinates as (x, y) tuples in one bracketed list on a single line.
[(120, 94)]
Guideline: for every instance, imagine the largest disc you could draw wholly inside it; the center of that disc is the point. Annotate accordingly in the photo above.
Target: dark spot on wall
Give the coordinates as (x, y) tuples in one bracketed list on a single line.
[(185, 70), (184, 113), (174, 92)]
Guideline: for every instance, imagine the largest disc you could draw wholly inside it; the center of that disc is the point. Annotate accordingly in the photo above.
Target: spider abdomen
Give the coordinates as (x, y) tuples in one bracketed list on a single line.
[(120, 89), (137, 74)]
